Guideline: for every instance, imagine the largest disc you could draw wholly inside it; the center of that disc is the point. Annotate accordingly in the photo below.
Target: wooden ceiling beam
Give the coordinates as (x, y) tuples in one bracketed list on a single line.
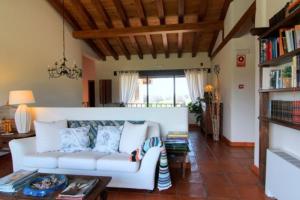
[(180, 21), (98, 5), (180, 4), (151, 46), (166, 45), (125, 21), (203, 27), (101, 10), (92, 24), (203, 10), (196, 41), (141, 12), (221, 17), (238, 27), (121, 12), (160, 11), (136, 46), (70, 19), (180, 44)]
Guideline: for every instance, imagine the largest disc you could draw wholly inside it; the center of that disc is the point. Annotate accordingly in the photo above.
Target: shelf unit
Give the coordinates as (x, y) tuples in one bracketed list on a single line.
[(264, 94)]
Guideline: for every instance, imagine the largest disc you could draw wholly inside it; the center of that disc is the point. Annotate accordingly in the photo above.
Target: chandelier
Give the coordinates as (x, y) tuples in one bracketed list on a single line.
[(61, 67)]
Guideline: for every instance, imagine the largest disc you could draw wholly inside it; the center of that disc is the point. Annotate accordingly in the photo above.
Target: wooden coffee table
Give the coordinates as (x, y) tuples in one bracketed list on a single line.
[(99, 192)]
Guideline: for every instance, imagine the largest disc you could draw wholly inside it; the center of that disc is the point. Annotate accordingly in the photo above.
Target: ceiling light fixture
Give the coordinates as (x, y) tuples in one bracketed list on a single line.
[(61, 67)]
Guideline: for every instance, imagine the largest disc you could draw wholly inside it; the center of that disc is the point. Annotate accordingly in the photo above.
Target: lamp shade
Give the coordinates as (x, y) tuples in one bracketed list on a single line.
[(21, 97), (208, 88)]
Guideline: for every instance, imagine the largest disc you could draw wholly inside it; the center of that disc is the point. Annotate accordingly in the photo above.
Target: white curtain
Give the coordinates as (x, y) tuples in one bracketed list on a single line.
[(196, 80), (128, 85)]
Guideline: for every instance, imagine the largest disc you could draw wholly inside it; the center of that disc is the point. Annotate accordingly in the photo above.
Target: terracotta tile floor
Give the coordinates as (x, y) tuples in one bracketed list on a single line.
[(218, 172)]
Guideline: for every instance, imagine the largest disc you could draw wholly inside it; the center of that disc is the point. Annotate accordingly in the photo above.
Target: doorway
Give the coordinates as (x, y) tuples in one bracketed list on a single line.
[(91, 92)]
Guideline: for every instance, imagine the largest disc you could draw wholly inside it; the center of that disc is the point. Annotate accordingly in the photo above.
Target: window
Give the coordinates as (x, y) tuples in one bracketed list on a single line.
[(161, 91)]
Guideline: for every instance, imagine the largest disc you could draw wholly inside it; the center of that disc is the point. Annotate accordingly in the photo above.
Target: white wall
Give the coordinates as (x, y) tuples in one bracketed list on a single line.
[(105, 70), (280, 137), (30, 40), (239, 104)]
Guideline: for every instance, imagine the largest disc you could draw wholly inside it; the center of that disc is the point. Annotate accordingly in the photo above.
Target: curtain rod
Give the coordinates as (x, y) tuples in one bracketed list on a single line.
[(141, 71)]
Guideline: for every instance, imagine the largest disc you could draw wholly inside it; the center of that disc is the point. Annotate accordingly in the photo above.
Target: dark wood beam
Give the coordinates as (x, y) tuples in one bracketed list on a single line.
[(212, 43), (141, 12), (136, 46), (98, 5), (203, 27), (123, 48), (225, 9), (160, 11), (180, 44), (196, 41), (166, 45), (180, 11), (101, 10), (70, 19), (121, 12), (221, 17), (203, 10), (238, 28), (151, 46), (92, 24)]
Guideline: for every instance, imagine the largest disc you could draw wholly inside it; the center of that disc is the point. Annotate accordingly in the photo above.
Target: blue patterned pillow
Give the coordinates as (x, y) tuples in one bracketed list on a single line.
[(94, 126)]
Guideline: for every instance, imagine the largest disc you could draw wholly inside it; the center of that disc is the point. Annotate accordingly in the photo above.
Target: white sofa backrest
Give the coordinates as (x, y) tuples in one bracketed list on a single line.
[(169, 119)]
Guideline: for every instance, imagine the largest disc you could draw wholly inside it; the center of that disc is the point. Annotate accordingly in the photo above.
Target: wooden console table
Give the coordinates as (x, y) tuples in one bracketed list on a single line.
[(4, 139)]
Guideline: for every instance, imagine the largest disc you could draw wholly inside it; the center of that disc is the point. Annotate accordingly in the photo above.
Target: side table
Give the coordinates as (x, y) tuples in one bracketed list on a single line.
[(4, 139)]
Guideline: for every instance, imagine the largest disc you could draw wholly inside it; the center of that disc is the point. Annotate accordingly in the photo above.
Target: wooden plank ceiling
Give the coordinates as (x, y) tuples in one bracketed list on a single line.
[(127, 27)]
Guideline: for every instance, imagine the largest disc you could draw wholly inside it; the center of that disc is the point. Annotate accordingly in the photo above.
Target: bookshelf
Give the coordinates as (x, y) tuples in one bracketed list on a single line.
[(269, 35)]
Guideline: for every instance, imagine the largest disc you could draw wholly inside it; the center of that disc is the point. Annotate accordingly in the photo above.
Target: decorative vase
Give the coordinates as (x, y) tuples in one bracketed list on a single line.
[(23, 119)]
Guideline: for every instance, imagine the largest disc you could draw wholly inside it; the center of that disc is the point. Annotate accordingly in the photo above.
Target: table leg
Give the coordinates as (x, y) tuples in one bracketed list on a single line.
[(103, 195)]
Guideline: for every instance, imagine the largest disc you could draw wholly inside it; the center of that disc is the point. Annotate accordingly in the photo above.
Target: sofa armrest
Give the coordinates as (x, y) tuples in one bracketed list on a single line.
[(149, 162), (19, 148)]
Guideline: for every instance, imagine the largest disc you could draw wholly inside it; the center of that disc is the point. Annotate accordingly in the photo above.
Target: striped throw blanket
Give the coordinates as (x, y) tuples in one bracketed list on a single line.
[(164, 179)]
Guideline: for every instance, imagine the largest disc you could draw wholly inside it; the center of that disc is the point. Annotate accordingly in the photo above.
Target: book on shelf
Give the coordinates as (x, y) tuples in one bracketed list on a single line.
[(288, 111), (283, 76), (287, 40), (293, 7), (77, 189), (15, 181)]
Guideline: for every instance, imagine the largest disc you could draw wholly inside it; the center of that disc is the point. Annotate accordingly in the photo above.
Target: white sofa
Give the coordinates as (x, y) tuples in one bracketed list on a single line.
[(125, 174)]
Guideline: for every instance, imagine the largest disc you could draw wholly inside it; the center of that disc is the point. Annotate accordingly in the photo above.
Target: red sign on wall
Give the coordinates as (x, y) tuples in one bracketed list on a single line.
[(241, 60)]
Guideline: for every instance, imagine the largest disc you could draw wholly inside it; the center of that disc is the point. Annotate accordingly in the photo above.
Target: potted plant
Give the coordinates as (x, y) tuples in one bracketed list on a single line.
[(196, 109), (287, 77)]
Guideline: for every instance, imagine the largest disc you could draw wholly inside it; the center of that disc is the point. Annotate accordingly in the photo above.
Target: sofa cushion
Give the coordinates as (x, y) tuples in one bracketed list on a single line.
[(47, 135), (108, 139), (42, 160), (85, 160), (133, 136), (117, 162), (94, 126), (74, 139)]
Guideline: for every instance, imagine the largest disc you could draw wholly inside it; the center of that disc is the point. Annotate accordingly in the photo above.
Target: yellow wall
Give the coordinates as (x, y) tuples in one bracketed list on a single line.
[(30, 40)]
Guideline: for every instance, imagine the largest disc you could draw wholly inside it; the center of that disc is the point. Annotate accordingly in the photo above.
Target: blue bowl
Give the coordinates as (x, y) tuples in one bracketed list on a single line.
[(30, 191)]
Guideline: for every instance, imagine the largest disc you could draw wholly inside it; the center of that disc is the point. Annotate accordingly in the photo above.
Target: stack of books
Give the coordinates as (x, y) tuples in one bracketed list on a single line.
[(15, 181), (288, 40), (288, 111), (78, 189), (177, 142)]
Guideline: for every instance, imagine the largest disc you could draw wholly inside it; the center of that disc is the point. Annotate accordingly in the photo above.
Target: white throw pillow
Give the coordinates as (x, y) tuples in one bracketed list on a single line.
[(74, 139), (132, 137), (108, 139), (47, 135)]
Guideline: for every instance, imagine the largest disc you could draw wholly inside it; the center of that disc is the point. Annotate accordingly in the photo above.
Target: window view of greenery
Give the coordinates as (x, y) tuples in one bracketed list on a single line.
[(161, 92)]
